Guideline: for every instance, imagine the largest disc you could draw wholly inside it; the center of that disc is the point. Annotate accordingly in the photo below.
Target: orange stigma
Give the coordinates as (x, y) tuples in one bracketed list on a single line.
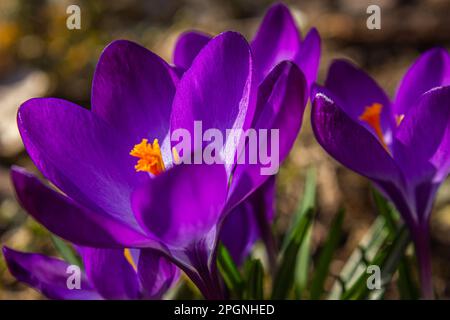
[(372, 116), (150, 157), (399, 118), (129, 258)]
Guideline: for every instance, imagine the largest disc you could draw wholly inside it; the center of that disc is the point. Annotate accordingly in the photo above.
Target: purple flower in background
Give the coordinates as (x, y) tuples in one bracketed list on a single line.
[(108, 200), (107, 274), (403, 145), (276, 40)]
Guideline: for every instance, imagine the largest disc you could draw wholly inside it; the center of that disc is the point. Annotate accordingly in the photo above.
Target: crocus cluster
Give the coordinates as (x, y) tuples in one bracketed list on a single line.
[(138, 213), (402, 145), (128, 204)]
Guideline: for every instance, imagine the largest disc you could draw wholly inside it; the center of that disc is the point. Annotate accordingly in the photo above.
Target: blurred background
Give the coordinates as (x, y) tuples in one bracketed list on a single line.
[(39, 56)]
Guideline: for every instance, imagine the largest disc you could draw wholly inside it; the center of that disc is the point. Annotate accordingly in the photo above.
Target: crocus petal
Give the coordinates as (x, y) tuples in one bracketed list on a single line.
[(80, 154), (240, 231), (187, 48), (430, 70), (281, 102), (67, 219), (133, 90), (245, 223), (156, 273), (422, 141), (350, 143), (182, 204), (308, 56), (183, 208), (47, 275), (277, 39), (216, 90), (110, 273), (353, 90)]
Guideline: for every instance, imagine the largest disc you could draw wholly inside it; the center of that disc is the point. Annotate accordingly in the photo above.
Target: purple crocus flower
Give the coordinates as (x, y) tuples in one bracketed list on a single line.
[(107, 274), (110, 201), (403, 145), (276, 40)]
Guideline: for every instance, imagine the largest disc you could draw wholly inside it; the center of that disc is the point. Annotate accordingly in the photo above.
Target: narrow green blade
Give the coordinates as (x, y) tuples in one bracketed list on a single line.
[(303, 258), (285, 276), (65, 250), (303, 265), (229, 271), (388, 261), (255, 276), (323, 265), (357, 262), (306, 204), (407, 287), (384, 208)]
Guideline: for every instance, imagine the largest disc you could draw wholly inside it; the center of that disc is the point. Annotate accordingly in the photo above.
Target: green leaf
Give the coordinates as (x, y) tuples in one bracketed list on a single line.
[(303, 259), (303, 265), (357, 262), (359, 288), (254, 285), (407, 288), (284, 278), (384, 208), (229, 271), (392, 261), (309, 196), (388, 261), (306, 204), (65, 250), (322, 269)]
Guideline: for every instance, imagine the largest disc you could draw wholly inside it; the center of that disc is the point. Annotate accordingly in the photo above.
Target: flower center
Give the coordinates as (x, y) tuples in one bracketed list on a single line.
[(150, 157), (150, 160), (372, 116)]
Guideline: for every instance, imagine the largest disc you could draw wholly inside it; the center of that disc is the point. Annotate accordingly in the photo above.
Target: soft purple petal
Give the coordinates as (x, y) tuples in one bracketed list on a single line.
[(277, 39), (350, 143), (422, 143), (216, 90), (281, 102), (425, 194), (183, 208), (69, 220), (240, 231), (110, 273), (80, 153), (353, 90), (308, 57), (156, 273), (187, 48), (133, 90), (182, 204), (431, 69), (243, 226), (47, 275)]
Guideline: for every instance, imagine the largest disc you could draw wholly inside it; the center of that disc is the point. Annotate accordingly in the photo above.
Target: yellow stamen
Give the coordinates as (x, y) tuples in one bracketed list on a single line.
[(129, 257), (399, 118), (175, 156), (372, 115), (150, 157)]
